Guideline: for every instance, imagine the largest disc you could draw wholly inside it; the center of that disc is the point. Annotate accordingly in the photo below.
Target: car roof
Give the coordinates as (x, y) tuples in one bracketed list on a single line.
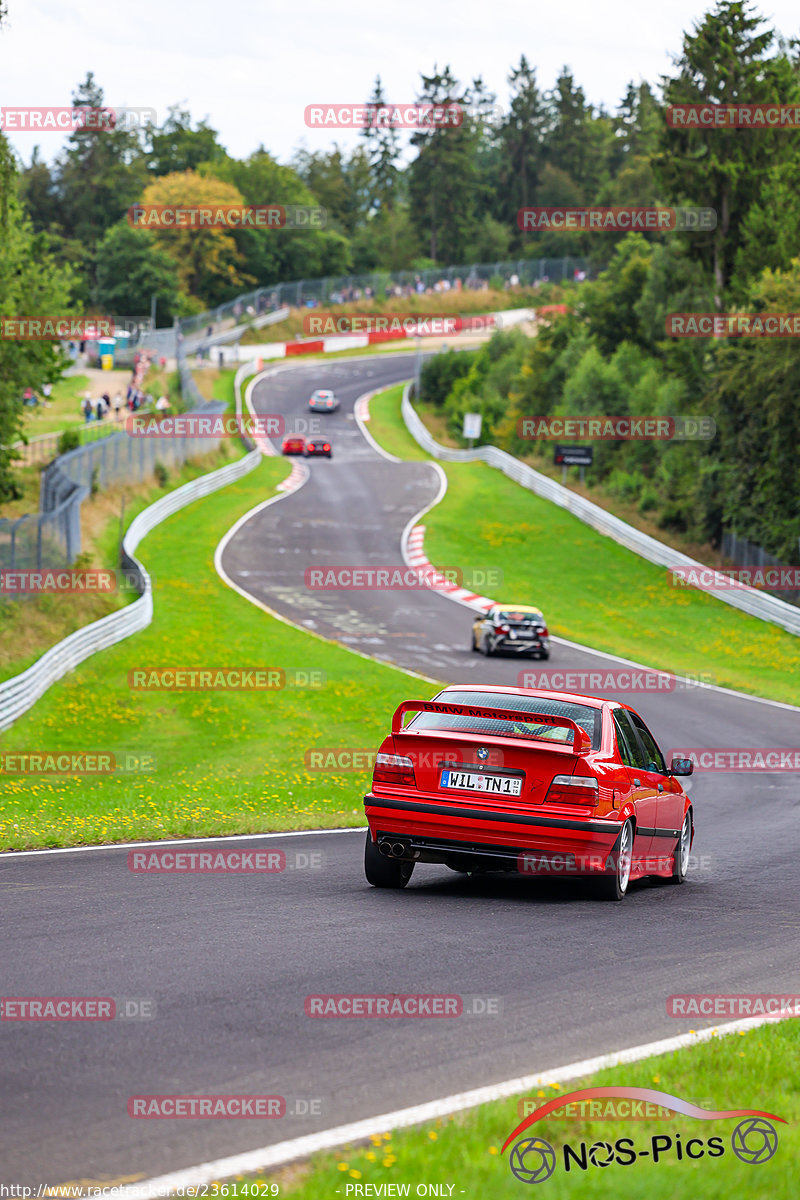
[(496, 689), (517, 607)]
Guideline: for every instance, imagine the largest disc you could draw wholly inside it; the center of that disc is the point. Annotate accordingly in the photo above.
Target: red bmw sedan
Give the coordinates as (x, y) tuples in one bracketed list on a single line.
[(537, 782)]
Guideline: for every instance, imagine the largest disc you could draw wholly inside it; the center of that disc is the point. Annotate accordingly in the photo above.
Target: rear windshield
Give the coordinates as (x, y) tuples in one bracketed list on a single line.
[(520, 618), (588, 718)]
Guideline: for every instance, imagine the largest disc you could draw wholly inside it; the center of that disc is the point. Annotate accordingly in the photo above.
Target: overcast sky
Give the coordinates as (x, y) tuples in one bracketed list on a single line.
[(252, 67)]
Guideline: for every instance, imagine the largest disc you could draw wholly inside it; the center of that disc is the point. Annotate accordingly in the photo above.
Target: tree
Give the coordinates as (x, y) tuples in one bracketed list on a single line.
[(724, 61), (383, 151), (522, 139), (755, 389), (30, 284), (270, 255), (130, 269), (177, 147), (638, 123), (37, 190), (340, 184), (770, 231), (208, 262), (98, 176), (442, 177)]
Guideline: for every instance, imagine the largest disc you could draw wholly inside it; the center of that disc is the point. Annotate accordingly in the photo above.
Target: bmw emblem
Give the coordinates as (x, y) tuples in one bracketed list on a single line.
[(483, 754)]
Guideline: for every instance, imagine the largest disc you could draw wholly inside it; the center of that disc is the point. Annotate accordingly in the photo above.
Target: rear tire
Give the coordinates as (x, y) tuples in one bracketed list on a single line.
[(681, 856), (614, 886), (385, 872), (473, 647)]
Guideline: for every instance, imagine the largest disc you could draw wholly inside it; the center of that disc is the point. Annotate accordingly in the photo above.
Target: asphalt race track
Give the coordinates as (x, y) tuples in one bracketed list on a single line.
[(228, 960)]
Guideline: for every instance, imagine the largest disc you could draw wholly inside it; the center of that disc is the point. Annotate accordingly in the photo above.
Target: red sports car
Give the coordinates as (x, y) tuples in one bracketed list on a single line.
[(517, 779), (293, 445)]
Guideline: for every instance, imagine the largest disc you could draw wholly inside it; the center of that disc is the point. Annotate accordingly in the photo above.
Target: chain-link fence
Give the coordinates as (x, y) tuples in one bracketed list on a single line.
[(51, 538), (47, 539), (44, 446), (740, 552), (338, 289)]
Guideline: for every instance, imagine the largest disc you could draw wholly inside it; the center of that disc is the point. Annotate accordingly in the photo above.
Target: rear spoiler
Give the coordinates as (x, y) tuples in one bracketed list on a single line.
[(581, 742)]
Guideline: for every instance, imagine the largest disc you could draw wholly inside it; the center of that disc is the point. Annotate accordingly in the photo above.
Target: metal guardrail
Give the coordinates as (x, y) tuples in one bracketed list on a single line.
[(750, 600), (21, 692)]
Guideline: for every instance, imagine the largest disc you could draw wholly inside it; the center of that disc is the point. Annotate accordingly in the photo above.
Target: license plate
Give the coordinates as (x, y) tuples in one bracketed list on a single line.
[(473, 781)]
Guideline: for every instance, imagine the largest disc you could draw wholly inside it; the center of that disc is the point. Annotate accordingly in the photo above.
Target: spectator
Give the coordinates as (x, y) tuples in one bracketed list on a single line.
[(106, 401), (100, 409), (118, 406), (47, 390), (86, 407), (162, 404)]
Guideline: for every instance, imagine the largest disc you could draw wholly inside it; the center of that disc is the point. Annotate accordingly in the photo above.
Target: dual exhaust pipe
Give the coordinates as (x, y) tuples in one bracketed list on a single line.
[(393, 849)]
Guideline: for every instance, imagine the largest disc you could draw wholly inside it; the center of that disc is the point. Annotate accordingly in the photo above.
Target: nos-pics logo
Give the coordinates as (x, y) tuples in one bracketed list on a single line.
[(533, 1159)]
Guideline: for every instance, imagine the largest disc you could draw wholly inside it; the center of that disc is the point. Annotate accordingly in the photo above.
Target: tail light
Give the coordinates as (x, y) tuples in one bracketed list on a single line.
[(394, 768), (326, 446), (573, 789), (330, 404), (543, 631), (311, 446)]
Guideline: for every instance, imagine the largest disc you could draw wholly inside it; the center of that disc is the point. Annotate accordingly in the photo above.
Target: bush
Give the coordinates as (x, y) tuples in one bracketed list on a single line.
[(161, 473), (440, 372), (70, 440)]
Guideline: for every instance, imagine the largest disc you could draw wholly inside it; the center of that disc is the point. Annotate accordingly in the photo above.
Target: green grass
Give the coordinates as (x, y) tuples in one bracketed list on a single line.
[(225, 762), (591, 589), (754, 1070)]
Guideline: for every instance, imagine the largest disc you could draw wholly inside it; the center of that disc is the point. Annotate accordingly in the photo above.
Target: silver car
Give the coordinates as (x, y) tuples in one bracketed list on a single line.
[(323, 401)]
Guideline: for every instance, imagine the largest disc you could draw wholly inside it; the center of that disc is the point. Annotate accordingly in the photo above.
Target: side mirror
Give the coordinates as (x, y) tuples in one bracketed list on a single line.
[(681, 766)]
